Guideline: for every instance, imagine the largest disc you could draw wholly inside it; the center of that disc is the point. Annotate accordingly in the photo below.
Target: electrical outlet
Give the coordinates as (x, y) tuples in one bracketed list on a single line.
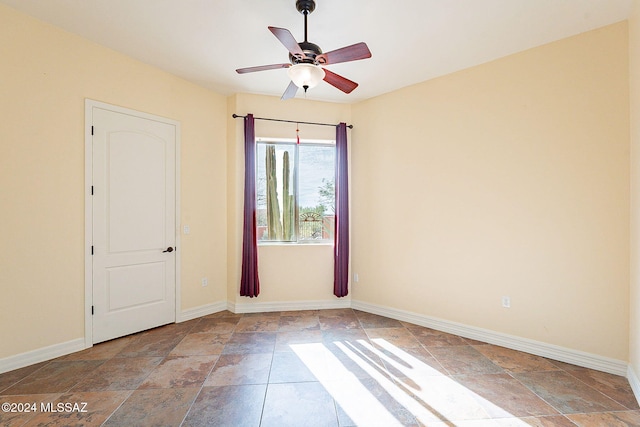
[(506, 302), (187, 229), (205, 282), (355, 278)]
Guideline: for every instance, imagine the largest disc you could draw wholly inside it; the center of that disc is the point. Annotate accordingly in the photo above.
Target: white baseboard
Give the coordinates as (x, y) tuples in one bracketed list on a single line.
[(203, 310), (40, 355), (562, 354), (634, 382), (260, 307)]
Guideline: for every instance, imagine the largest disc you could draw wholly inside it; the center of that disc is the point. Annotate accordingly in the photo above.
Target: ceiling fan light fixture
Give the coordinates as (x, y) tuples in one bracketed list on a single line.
[(306, 76)]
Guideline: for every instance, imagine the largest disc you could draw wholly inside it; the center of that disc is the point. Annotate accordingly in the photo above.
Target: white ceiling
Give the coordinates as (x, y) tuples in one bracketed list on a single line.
[(204, 41)]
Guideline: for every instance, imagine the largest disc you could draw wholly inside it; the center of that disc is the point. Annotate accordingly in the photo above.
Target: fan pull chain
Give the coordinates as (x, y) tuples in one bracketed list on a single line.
[(297, 133)]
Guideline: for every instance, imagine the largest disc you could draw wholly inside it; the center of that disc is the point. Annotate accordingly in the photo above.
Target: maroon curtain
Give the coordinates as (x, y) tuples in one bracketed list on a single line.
[(341, 236), (249, 282)]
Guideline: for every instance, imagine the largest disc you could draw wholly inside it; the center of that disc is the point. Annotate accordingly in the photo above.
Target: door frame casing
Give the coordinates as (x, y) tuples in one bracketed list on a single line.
[(90, 104)]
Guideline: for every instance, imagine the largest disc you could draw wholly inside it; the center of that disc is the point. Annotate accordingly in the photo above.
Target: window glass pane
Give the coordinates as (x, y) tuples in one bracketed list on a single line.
[(316, 176), (275, 192), (295, 198)]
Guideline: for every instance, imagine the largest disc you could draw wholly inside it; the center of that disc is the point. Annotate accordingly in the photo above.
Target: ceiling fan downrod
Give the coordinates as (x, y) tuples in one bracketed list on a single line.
[(311, 50), (305, 7)]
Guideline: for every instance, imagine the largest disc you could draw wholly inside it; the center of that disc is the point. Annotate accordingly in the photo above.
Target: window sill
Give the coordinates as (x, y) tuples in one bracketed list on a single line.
[(311, 243)]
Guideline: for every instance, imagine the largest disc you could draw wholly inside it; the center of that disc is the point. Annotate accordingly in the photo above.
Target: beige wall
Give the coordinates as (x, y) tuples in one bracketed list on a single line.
[(634, 83), (288, 273), (46, 76), (510, 178)]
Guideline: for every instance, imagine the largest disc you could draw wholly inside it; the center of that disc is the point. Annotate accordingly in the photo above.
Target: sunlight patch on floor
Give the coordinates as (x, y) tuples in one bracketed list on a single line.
[(429, 395), (422, 383), (354, 398)]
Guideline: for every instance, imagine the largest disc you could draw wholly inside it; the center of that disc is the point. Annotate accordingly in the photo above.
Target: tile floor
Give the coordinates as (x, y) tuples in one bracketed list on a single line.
[(310, 368)]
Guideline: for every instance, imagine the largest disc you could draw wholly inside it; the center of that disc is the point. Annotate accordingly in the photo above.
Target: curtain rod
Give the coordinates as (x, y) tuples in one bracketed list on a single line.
[(235, 116)]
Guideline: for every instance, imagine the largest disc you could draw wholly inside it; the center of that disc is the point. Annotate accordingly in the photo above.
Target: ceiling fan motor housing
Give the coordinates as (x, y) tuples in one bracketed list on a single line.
[(311, 51)]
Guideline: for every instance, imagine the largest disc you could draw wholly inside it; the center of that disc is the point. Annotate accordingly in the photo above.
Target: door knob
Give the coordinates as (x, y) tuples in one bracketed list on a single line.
[(169, 249)]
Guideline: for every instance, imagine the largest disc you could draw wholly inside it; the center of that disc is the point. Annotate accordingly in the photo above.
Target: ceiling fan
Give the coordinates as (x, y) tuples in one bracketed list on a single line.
[(306, 60)]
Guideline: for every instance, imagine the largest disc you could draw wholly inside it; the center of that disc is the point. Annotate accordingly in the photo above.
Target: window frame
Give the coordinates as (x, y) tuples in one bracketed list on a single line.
[(293, 142)]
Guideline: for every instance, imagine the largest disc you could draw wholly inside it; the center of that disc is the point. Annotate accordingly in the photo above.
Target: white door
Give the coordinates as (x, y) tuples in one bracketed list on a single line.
[(134, 223)]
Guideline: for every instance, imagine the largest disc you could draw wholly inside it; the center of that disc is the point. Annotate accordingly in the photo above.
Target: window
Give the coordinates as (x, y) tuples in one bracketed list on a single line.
[(295, 191)]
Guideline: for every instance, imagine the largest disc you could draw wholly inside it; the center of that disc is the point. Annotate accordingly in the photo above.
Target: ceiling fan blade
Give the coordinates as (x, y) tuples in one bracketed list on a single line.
[(261, 68), (342, 83), (287, 39), (290, 92), (354, 52)]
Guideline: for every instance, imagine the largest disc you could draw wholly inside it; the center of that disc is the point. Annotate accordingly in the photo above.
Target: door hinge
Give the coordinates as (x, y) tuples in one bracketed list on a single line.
[(91, 130), (92, 310), (92, 190), (91, 249)]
